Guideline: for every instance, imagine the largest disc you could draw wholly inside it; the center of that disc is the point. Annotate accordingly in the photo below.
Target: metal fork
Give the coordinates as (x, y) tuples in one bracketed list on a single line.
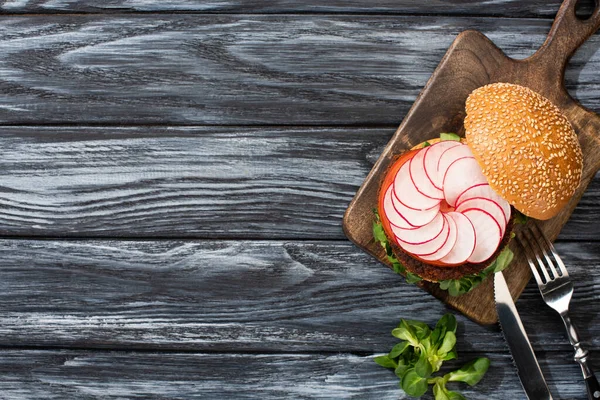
[(556, 289)]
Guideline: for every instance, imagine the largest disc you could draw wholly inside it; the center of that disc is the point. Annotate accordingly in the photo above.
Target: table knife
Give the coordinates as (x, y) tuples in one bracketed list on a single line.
[(529, 370)]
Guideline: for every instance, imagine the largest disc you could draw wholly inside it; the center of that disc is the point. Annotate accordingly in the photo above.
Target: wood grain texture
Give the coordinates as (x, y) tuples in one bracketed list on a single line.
[(197, 182), (243, 296), (188, 182), (118, 375), (229, 69), (472, 61), (510, 8), (211, 296)]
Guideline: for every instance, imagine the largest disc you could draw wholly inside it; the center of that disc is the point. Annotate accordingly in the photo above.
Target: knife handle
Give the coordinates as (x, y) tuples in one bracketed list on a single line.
[(593, 388)]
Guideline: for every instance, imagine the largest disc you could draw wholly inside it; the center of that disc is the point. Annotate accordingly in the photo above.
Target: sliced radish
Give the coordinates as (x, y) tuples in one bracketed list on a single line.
[(465, 240), (448, 245), (392, 214), (462, 174), (416, 218), (429, 247), (420, 179), (423, 234), (487, 232), (449, 156), (408, 194), (484, 190), (488, 205), (431, 157)]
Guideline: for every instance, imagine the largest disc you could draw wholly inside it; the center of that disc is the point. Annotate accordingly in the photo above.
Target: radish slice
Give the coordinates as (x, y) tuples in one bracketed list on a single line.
[(460, 175), (449, 156), (420, 179), (429, 247), (465, 240), (392, 214), (416, 218), (408, 194), (422, 234), (484, 190), (445, 249), (431, 159), (487, 232), (488, 205)]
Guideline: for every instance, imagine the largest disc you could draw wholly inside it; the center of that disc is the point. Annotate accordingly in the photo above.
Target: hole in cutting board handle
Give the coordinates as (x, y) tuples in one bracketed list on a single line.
[(585, 8), (567, 34)]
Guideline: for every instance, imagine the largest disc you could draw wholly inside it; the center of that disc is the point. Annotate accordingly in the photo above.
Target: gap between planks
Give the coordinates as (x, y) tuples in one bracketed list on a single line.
[(122, 12), (210, 239), (159, 350)]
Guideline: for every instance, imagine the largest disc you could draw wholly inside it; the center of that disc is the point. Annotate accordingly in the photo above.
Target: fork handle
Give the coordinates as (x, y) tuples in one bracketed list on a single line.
[(581, 357)]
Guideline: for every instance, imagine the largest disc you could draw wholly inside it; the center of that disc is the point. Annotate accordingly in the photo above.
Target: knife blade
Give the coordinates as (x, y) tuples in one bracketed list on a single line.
[(528, 369)]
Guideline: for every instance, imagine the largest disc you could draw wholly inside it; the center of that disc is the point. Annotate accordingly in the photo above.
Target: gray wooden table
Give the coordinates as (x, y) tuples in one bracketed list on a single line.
[(173, 176)]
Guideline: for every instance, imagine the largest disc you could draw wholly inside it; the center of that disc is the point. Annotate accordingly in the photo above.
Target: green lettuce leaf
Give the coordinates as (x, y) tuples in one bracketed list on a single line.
[(449, 136)]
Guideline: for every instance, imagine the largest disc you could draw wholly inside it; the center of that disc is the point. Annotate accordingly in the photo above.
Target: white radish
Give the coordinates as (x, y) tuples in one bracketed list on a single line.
[(420, 179), (449, 156), (429, 247), (487, 233), (392, 214), (485, 191), (460, 175), (445, 171), (448, 245), (407, 192), (465, 240), (415, 218), (488, 205), (431, 157), (422, 234)]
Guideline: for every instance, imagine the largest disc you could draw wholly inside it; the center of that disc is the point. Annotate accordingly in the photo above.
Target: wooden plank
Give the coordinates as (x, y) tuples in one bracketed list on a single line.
[(509, 8), (230, 69), (197, 182), (242, 296), (62, 374), (186, 182)]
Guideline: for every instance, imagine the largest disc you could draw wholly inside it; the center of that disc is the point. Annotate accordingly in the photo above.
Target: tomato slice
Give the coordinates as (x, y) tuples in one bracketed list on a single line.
[(387, 182)]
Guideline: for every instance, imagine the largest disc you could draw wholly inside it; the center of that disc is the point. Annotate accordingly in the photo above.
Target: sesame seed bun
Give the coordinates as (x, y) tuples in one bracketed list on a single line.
[(525, 146)]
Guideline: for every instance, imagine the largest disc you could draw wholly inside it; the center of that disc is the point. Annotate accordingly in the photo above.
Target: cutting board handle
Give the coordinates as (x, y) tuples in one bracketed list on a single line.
[(566, 35)]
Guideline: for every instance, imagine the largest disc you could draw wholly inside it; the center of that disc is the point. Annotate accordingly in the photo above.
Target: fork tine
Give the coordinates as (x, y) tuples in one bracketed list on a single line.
[(524, 242), (541, 240), (550, 246), (536, 254)]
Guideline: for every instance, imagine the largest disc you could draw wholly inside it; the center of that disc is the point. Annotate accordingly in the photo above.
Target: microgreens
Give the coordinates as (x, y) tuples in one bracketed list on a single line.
[(520, 218), (421, 353), (465, 284)]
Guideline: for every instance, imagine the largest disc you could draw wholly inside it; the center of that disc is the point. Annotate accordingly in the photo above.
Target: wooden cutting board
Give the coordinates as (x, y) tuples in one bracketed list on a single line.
[(473, 61)]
